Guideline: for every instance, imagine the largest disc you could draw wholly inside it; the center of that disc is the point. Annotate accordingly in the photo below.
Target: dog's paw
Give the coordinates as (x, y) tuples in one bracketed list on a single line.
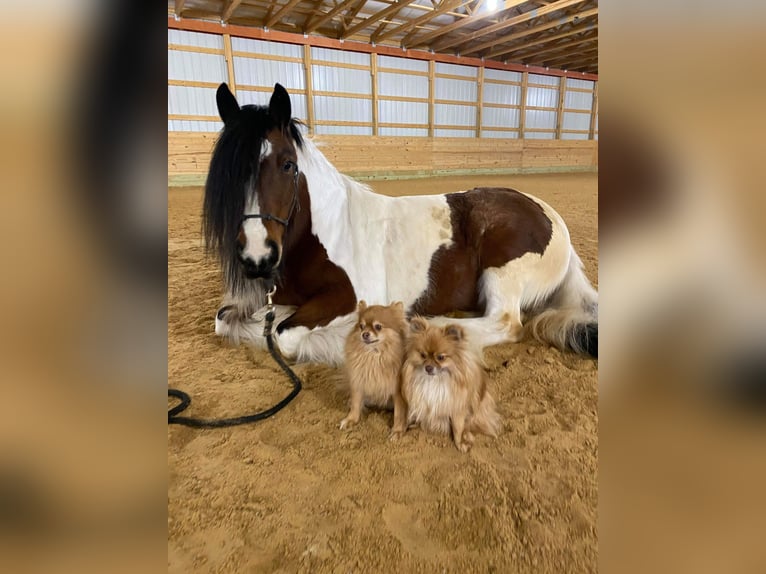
[(463, 446), (347, 423), (395, 435)]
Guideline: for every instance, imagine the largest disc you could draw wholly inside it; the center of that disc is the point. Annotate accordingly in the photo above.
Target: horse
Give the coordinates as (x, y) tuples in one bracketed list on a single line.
[(277, 213)]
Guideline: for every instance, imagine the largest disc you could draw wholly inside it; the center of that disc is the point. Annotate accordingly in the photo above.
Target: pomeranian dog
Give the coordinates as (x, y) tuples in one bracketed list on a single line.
[(374, 355), (443, 385)]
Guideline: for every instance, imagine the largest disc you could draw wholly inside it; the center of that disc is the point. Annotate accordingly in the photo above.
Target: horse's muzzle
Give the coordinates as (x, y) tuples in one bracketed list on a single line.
[(265, 267)]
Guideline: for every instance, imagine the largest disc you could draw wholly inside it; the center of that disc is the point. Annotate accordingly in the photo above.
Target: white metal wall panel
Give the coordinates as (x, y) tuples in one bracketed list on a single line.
[(499, 135), (542, 97), (402, 63), (547, 80), (585, 84), (250, 72), (196, 67), (453, 133), (574, 121), (191, 101), (500, 118), (453, 115), (406, 85), (566, 136), (196, 39), (340, 56), (540, 119), (502, 94), (193, 126), (350, 81), (539, 136), (490, 74), (456, 70), (412, 132), (263, 47), (297, 101), (448, 89), (343, 130), (578, 100), (342, 109), (402, 112)]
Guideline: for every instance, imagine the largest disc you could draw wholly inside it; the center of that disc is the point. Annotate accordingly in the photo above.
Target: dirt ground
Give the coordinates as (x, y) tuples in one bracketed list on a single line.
[(295, 494)]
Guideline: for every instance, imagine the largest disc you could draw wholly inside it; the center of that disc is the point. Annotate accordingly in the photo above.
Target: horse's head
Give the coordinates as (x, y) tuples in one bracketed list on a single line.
[(251, 193)]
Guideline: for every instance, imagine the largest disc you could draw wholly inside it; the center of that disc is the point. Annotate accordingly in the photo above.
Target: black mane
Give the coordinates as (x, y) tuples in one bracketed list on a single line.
[(231, 177)]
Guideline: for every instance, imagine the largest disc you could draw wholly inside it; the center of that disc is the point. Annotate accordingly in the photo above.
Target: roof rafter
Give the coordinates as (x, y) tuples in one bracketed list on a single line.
[(329, 15), (426, 38), (530, 31), (553, 7), (281, 13), (561, 47), (545, 40), (392, 9), (445, 6), (228, 9)]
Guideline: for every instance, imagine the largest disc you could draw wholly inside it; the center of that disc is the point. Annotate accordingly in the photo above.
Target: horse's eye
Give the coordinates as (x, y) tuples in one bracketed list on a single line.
[(287, 167)]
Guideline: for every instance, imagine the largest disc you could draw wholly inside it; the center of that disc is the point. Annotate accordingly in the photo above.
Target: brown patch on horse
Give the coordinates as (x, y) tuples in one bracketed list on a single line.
[(306, 276), (490, 227)]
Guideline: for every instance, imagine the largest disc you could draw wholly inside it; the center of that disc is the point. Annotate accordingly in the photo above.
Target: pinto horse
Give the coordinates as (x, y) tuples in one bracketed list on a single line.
[(276, 212)]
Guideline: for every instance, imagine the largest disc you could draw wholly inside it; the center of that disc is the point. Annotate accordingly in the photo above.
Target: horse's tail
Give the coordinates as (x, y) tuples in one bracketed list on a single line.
[(569, 320)]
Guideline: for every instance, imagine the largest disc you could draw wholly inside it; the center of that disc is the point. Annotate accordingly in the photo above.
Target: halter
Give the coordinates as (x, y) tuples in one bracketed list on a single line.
[(295, 206)]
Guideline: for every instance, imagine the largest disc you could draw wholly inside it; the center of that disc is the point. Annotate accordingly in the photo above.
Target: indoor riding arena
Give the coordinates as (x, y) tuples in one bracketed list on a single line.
[(412, 98)]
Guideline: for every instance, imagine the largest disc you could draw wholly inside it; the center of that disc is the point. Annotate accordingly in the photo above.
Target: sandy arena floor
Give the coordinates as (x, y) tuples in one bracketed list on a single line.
[(295, 494)]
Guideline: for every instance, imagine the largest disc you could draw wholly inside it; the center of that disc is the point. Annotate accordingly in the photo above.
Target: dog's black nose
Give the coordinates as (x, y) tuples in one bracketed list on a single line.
[(366, 335), (430, 369)]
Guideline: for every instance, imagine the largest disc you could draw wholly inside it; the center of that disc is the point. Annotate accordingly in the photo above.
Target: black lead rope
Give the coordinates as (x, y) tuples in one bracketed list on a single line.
[(218, 423)]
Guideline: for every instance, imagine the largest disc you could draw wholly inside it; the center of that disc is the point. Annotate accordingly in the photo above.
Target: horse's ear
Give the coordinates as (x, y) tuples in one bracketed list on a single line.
[(279, 106), (228, 108), (361, 306), (454, 332), (418, 324)]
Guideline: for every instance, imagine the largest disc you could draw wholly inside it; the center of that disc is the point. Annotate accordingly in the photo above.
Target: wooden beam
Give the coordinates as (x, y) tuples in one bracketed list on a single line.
[(426, 38), (593, 112), (309, 89), (348, 18), (560, 47), (319, 21), (480, 99), (392, 9), (526, 16), (229, 63), (560, 108), (545, 40), (529, 31), (240, 31), (445, 6), (179, 7), (523, 104), (228, 9), (431, 97), (374, 74), (282, 12), (571, 59)]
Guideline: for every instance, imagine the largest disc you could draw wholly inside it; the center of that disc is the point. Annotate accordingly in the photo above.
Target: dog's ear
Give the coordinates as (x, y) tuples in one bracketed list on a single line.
[(454, 332), (418, 324), (361, 306), (398, 306)]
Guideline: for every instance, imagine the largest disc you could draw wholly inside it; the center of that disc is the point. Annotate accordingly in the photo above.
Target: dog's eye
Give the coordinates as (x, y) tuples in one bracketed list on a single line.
[(440, 357), (422, 355), (378, 326)]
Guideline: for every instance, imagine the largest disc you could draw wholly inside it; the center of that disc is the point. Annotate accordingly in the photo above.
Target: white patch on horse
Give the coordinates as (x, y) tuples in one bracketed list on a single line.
[(387, 250), (266, 149)]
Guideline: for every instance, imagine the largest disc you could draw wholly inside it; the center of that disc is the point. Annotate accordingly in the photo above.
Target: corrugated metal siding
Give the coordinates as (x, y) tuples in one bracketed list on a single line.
[(447, 89), (342, 109), (547, 80), (586, 84), (490, 74), (349, 81), (500, 118), (542, 97), (499, 135), (343, 130), (456, 70), (264, 47), (196, 67), (452, 115), (573, 121), (191, 101), (196, 39), (390, 84), (453, 133), (402, 112), (340, 56), (578, 100), (502, 94), (298, 101), (266, 73), (412, 132), (402, 63)]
